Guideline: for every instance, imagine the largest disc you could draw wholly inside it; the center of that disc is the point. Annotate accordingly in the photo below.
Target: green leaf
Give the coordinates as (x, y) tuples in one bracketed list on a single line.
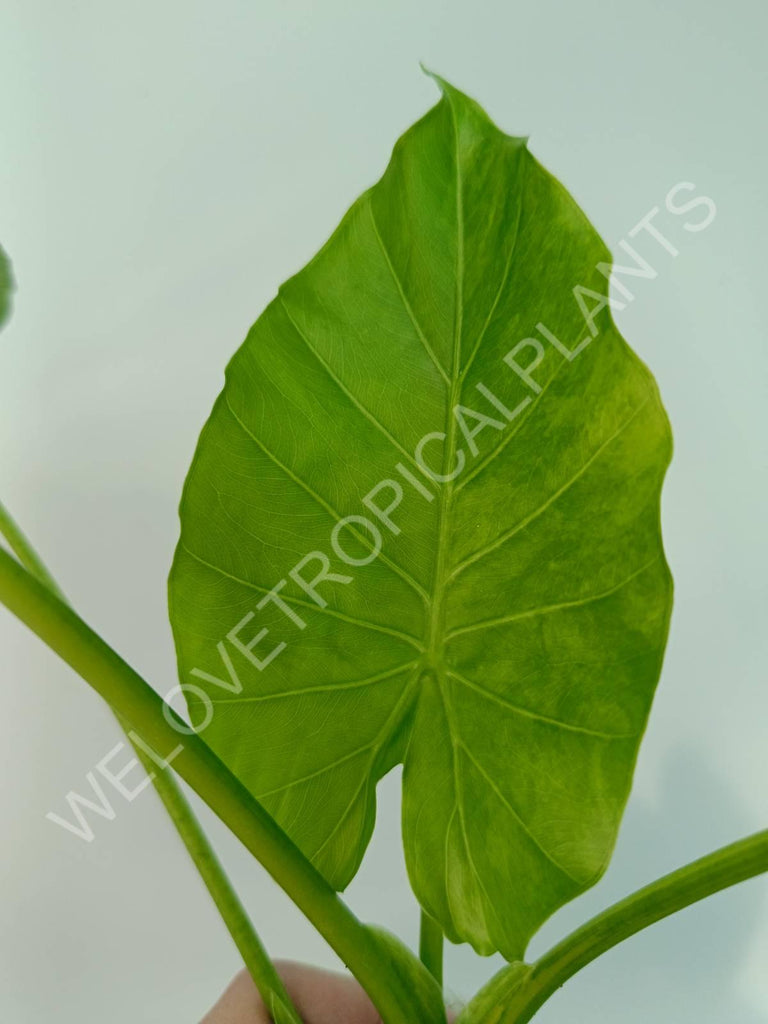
[(506, 642), (6, 287)]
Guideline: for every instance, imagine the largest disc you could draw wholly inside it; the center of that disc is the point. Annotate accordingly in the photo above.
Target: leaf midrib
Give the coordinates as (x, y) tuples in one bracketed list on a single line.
[(445, 494), (434, 656), (435, 641)]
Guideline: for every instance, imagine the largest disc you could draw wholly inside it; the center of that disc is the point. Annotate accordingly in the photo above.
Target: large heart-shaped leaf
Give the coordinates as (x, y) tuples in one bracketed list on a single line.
[(506, 640)]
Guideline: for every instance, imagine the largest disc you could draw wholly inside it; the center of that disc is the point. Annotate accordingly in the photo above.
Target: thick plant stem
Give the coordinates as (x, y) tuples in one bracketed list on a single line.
[(255, 956), (719, 870), (431, 946), (169, 738)]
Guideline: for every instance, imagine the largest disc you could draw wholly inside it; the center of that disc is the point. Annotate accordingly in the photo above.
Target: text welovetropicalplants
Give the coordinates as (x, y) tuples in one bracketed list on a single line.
[(421, 527)]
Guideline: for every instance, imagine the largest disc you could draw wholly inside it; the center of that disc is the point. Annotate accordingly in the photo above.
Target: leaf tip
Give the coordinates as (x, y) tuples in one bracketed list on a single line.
[(444, 86)]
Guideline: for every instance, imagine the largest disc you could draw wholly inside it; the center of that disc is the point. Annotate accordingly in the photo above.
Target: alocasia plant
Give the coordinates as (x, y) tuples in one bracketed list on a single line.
[(422, 526)]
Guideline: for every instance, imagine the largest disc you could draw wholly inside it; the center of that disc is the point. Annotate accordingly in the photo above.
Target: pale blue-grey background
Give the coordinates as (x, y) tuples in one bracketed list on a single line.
[(163, 166)]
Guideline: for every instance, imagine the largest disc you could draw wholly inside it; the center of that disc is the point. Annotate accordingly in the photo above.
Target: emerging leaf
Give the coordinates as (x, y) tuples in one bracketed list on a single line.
[(494, 612)]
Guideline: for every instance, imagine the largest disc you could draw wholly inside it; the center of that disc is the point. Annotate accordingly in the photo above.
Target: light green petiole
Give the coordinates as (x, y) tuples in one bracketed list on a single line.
[(431, 946)]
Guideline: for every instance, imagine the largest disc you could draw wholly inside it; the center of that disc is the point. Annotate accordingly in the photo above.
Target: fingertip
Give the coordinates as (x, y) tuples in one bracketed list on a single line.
[(240, 1004)]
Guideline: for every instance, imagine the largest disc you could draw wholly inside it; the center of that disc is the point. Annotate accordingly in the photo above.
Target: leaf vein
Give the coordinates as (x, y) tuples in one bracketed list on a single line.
[(535, 715), (405, 576), (417, 327), (372, 419), (315, 774), (375, 747), (522, 420), (364, 623), (523, 824), (527, 520), (549, 609), (353, 684), (504, 277)]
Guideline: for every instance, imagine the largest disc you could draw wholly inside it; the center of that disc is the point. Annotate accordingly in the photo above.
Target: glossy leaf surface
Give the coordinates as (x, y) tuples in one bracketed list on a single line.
[(506, 641)]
